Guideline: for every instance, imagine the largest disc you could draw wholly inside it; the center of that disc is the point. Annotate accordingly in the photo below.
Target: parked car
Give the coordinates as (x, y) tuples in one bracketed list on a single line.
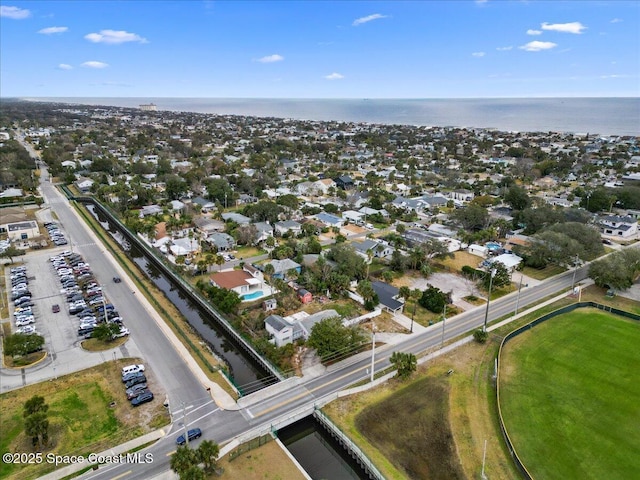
[(191, 435), (142, 398), (25, 321), (135, 381), (86, 331), (27, 329), (55, 308), (123, 333), (136, 390), (130, 376)]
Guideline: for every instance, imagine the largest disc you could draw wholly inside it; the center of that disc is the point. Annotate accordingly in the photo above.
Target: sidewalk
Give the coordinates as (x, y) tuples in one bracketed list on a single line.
[(222, 398)]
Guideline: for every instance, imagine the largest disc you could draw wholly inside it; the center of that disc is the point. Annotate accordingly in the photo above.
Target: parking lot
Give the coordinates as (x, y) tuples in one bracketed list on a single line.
[(60, 330)]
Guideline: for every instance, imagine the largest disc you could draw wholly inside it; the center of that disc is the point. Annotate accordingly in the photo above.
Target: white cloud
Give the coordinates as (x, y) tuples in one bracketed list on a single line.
[(114, 37), (614, 76), (334, 76), (65, 66), (504, 49), (14, 12), (481, 2), (271, 58), (50, 30), (572, 27), (537, 46), (478, 54), (368, 18), (534, 32), (95, 64), (616, 20)]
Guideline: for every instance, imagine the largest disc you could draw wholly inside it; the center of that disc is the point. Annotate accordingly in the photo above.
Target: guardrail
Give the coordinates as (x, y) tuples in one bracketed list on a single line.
[(524, 328), (186, 288)]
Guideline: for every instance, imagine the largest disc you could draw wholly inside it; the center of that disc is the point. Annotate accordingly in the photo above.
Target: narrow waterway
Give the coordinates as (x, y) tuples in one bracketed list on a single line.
[(246, 374), (321, 456)]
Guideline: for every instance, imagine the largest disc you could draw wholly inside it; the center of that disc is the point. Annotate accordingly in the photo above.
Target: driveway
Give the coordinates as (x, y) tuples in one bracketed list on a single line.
[(461, 287)]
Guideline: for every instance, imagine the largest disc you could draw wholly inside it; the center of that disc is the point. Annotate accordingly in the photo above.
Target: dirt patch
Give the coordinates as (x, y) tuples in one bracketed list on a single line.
[(460, 259), (353, 229), (410, 423)]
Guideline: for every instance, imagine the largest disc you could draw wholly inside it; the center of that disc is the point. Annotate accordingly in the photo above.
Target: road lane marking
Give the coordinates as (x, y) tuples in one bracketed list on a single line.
[(171, 453), (122, 475)]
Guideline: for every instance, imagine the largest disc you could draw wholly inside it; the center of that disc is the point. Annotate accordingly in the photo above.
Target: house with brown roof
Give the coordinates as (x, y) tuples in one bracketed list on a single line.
[(248, 283)]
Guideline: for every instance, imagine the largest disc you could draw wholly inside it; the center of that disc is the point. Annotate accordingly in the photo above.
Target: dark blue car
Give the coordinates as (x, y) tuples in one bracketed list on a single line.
[(191, 434)]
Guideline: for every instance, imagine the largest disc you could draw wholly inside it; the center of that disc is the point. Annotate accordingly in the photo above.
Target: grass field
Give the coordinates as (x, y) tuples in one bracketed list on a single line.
[(268, 462), (417, 411), (569, 396), (81, 415)]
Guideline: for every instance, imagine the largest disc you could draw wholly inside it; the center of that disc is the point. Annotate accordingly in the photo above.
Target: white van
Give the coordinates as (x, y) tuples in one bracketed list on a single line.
[(132, 368)]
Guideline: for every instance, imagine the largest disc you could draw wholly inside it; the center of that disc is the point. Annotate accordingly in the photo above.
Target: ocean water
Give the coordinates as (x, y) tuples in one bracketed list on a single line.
[(604, 116)]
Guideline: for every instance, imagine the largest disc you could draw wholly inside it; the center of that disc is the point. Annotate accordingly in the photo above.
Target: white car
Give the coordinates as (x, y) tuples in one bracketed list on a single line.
[(25, 321), (123, 332), (26, 329)]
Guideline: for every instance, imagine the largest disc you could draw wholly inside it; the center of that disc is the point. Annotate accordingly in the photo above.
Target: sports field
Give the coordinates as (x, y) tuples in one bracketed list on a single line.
[(570, 396)]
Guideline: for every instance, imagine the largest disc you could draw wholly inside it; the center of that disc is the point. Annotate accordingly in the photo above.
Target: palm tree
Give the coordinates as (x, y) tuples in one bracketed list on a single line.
[(417, 257), (405, 292), (219, 260), (208, 452), (183, 460), (269, 271)]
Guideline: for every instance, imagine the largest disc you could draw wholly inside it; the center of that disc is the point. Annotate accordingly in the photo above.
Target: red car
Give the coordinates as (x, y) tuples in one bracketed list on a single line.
[(55, 308)]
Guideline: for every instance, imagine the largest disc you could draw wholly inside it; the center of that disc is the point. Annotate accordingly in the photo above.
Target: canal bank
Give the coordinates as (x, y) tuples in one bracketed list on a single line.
[(248, 372)]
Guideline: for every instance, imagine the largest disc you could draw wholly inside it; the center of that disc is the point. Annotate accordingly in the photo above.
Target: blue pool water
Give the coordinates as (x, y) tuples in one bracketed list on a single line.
[(492, 245), (253, 295)]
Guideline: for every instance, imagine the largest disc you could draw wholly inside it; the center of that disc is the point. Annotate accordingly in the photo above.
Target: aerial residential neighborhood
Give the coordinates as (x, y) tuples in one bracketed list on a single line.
[(308, 241)]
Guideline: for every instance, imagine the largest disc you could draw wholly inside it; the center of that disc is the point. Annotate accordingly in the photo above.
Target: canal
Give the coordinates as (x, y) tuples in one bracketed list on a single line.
[(321, 456), (246, 374)]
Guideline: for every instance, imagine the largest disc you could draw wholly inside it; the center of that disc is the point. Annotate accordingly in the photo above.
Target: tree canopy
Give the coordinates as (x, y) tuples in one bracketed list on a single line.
[(617, 271), (333, 340)]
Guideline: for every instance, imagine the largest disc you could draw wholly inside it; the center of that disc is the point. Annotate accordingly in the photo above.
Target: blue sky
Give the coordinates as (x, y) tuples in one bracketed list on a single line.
[(320, 49)]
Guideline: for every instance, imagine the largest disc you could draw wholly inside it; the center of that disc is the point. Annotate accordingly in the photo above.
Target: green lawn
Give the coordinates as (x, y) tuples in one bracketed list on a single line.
[(569, 394), (543, 273)]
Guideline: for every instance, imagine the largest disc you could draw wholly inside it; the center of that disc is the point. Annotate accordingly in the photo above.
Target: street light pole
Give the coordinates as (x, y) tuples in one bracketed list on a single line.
[(184, 423), (484, 458), (486, 312)]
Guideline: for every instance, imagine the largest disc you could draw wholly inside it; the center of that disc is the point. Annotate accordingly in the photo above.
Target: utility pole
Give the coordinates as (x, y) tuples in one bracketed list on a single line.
[(575, 270), (486, 312), (373, 348), (518, 297), (444, 318)]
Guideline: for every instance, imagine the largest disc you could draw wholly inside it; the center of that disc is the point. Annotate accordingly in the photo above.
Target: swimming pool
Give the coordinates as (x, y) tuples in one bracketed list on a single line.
[(493, 246), (252, 295)]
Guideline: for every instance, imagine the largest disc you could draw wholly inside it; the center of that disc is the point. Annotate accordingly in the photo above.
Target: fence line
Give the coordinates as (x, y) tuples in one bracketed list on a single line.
[(524, 328), (348, 444)]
